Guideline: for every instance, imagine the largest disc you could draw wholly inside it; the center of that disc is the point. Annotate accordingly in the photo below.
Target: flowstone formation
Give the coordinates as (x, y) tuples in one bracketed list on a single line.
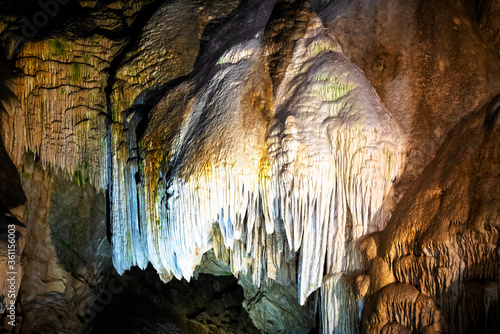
[(339, 158), (309, 178), (443, 273)]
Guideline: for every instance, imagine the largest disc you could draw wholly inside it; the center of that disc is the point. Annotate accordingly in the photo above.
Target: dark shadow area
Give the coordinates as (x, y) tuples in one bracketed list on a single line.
[(76, 218), (208, 304), (11, 196), (11, 191), (217, 36)]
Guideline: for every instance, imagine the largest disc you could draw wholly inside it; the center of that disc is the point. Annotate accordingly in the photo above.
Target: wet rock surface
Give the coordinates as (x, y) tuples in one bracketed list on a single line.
[(418, 55), (339, 158)]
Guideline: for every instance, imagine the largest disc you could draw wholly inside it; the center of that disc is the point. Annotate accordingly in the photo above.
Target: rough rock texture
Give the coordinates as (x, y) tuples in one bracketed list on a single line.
[(143, 76), (449, 252), (60, 83), (420, 58), (269, 140), (321, 150), (66, 253), (12, 240), (274, 308), (486, 14), (287, 24)]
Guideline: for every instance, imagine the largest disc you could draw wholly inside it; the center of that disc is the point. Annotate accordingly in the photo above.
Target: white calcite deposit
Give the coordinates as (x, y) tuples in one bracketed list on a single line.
[(241, 137), (302, 175)]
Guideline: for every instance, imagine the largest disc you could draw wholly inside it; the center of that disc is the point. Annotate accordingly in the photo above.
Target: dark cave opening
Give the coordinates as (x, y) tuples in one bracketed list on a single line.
[(144, 304)]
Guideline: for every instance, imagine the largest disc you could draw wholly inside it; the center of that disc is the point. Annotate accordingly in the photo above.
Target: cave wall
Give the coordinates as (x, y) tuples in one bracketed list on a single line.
[(340, 158)]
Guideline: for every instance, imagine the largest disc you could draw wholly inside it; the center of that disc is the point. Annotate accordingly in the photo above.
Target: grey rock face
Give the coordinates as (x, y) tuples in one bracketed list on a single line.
[(77, 222)]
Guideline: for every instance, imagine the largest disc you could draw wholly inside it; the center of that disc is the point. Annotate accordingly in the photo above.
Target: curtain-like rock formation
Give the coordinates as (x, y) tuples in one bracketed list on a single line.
[(317, 157), (269, 140)]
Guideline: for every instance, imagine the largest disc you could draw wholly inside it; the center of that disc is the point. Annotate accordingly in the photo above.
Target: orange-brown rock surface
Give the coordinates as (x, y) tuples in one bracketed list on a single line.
[(339, 158)]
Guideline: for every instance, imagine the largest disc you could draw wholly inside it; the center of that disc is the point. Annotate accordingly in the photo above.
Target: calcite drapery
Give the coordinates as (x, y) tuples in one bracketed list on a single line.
[(306, 172), (311, 176)]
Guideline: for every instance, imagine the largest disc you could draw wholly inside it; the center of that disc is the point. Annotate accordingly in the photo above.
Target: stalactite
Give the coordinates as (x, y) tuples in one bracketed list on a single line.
[(342, 302), (60, 114), (272, 148), (294, 181), (333, 157)]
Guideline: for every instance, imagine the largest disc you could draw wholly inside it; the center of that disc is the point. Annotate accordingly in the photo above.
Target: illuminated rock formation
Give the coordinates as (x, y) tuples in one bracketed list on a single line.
[(337, 157), (451, 255), (326, 159)]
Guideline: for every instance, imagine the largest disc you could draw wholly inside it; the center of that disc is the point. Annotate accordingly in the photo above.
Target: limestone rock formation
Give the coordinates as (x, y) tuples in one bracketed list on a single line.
[(444, 233), (419, 57), (339, 158)]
